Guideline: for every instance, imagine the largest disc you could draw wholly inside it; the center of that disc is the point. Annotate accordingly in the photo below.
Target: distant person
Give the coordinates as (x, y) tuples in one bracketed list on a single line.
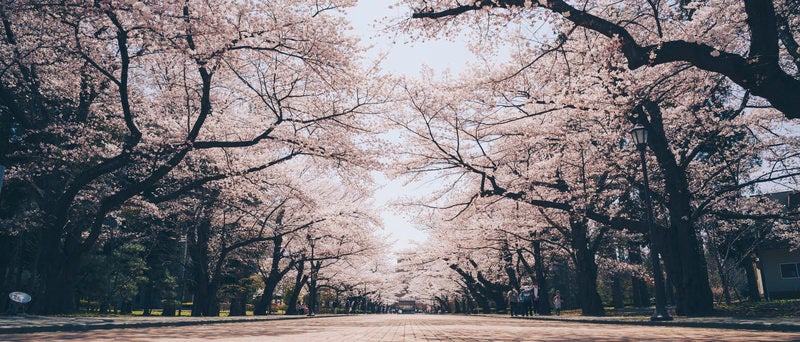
[(557, 302), (526, 301), (513, 301)]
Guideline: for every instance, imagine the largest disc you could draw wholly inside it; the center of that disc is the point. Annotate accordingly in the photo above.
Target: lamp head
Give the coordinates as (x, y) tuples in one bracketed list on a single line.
[(639, 135)]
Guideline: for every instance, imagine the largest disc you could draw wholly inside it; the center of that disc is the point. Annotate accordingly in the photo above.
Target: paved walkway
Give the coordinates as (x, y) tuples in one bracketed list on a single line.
[(771, 324), (31, 323), (406, 328)]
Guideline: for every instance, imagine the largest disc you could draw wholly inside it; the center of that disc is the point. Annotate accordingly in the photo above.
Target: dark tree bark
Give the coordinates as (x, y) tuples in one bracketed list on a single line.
[(312, 285), (273, 277), (495, 292), (750, 267), (205, 295), (474, 288), (586, 270), (508, 267), (759, 72), (60, 281), (682, 251), (543, 305), (670, 289), (147, 299), (122, 176), (618, 291), (238, 304), (299, 280), (641, 297)]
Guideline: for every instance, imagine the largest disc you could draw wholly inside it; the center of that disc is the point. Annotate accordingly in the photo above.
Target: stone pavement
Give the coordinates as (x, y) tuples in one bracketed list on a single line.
[(770, 324), (30, 323), (404, 328)]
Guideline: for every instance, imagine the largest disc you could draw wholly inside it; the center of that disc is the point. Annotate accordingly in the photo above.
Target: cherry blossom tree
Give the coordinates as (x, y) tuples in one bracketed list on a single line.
[(546, 168), (553, 134), (111, 101), (424, 271)]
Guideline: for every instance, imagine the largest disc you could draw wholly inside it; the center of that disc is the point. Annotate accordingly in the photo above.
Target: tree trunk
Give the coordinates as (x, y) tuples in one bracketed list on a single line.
[(543, 304), (750, 267), (617, 292), (495, 292), (586, 270), (591, 304), (682, 251), (200, 304), (508, 266), (723, 277), (239, 304), (169, 307), (200, 260), (264, 305), (312, 286), (473, 286), (275, 275), (8, 250), (483, 303), (147, 299), (670, 284), (687, 270), (640, 296), (213, 302), (300, 279), (59, 291), (726, 292), (59, 264)]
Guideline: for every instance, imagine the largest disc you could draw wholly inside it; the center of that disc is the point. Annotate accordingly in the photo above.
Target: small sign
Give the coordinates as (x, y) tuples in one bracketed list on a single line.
[(19, 297)]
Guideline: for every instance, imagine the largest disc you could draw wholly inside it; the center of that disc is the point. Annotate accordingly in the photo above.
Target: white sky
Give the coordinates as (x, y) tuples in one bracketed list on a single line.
[(406, 58)]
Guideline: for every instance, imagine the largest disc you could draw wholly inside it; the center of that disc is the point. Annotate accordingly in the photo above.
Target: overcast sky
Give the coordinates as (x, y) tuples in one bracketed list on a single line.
[(406, 58)]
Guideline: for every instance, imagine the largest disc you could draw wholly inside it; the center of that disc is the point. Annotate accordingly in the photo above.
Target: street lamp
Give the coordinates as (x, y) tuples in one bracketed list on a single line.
[(639, 134), (313, 288)]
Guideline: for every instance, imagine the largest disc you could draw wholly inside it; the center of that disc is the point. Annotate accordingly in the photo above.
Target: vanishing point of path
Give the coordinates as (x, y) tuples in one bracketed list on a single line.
[(409, 328)]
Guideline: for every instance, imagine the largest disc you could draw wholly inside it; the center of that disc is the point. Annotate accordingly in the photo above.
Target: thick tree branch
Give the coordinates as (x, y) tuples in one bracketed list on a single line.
[(759, 72)]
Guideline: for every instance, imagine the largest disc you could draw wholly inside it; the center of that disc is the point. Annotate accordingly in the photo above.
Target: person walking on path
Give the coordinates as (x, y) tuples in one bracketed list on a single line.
[(534, 307), (557, 303), (513, 301)]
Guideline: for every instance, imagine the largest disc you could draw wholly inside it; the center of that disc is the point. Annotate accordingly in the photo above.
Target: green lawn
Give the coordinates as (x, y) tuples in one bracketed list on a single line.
[(774, 308)]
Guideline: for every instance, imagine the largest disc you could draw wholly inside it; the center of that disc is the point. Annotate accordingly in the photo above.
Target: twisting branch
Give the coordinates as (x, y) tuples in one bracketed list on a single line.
[(759, 72)]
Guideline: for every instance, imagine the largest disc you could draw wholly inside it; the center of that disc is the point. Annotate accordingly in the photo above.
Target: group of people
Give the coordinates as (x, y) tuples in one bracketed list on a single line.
[(524, 302)]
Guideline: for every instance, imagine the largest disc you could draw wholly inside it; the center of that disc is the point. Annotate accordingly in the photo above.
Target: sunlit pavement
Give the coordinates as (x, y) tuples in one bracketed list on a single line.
[(408, 328)]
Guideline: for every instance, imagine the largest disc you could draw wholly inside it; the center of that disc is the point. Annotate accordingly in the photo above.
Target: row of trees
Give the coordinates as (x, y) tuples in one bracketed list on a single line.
[(535, 156), (221, 147), (151, 145)]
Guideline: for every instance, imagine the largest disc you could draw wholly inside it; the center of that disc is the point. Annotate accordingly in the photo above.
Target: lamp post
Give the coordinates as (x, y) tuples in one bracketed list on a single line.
[(312, 302), (639, 134)]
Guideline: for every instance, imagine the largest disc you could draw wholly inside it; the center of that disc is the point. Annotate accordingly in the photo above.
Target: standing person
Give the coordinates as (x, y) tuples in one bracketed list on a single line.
[(535, 297), (513, 301), (525, 299), (557, 303)]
